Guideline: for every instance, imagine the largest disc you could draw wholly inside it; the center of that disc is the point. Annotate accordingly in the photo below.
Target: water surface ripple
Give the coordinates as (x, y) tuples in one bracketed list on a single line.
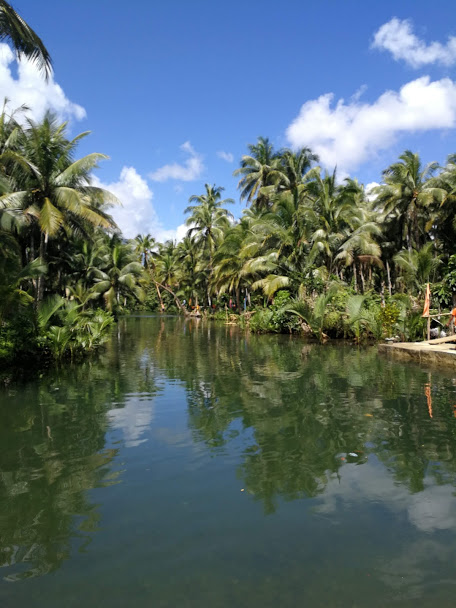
[(192, 465)]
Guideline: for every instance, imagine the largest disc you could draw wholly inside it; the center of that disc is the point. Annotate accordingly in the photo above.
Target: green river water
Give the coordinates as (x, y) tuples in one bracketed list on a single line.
[(192, 465)]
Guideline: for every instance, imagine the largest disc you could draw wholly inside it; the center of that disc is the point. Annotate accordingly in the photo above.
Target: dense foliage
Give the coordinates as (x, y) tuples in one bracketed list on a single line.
[(64, 267), (310, 253), (316, 253)]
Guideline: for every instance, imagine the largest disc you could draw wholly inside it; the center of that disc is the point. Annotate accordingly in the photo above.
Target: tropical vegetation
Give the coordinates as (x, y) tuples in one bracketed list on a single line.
[(315, 253), (312, 252)]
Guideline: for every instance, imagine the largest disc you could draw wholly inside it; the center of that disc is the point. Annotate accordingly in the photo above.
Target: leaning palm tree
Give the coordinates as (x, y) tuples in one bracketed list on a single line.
[(23, 39)]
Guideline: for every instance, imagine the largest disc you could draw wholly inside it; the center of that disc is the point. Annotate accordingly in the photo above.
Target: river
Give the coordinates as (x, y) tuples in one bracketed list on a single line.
[(192, 465)]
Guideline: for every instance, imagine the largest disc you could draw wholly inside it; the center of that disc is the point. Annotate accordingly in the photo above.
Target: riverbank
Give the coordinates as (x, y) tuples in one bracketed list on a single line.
[(422, 352)]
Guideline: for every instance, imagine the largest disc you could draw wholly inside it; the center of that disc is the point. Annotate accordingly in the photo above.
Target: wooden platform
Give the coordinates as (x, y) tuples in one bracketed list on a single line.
[(441, 351)]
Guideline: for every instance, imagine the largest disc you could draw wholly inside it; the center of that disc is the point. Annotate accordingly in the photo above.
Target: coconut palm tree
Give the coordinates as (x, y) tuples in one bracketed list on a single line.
[(23, 39), (417, 267), (328, 213), (293, 168), (360, 248), (191, 273), (406, 197), (258, 169), (144, 244), (229, 273), (119, 277), (443, 215), (54, 194), (207, 222)]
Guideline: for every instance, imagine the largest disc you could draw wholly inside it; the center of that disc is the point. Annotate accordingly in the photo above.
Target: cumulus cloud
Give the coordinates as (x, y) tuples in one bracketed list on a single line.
[(133, 419), (348, 134), (369, 189), (429, 510), (30, 88), (397, 37), (189, 171), (174, 234), (137, 214), (225, 156)]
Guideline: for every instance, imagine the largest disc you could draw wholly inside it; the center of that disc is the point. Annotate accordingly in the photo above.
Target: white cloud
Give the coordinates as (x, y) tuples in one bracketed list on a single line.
[(225, 156), (369, 188), (31, 89), (189, 171), (348, 134), (176, 234), (137, 214), (397, 37), (133, 419), (432, 509)]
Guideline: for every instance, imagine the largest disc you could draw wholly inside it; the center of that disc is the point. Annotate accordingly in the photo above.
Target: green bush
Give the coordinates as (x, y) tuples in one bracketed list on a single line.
[(261, 321), (389, 317)]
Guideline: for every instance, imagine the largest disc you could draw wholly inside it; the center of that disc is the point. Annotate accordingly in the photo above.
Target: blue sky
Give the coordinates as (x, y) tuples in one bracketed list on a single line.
[(168, 88)]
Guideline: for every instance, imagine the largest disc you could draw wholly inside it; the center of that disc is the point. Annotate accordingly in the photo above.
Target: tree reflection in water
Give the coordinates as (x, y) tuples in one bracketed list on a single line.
[(53, 450), (307, 407), (288, 414)]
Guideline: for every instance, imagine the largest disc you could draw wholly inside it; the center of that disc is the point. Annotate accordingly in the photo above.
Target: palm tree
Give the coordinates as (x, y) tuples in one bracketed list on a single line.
[(443, 216), (119, 276), (54, 194), (417, 267), (360, 248), (191, 274), (229, 274), (144, 244), (293, 168), (14, 278), (207, 221), (406, 197), (23, 39), (328, 213), (258, 169)]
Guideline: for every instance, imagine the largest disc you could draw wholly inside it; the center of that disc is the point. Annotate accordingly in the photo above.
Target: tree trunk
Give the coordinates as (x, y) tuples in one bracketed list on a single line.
[(238, 299), (388, 274), (40, 282), (176, 299), (354, 275), (361, 274), (159, 297)]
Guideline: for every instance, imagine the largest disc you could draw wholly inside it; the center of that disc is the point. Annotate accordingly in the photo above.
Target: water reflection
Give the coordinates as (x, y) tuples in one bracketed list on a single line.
[(53, 450), (308, 408), (346, 438)]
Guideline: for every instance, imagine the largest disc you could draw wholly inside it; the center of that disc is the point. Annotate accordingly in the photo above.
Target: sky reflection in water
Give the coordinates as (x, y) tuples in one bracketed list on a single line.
[(193, 464)]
